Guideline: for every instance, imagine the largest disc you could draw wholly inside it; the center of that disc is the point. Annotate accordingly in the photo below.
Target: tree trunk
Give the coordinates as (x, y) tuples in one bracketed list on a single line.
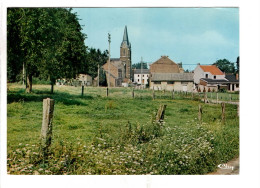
[(28, 83), (52, 88), (52, 85)]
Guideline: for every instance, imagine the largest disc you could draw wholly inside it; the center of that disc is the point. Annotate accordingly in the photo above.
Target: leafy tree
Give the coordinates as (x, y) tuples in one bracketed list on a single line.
[(225, 66), (237, 64), (138, 65), (48, 41), (94, 59)]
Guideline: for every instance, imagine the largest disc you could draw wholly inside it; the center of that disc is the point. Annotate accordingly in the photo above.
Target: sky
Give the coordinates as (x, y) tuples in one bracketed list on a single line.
[(187, 35)]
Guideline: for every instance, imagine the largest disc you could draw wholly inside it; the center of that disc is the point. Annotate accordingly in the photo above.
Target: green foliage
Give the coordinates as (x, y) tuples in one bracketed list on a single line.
[(47, 40), (138, 65), (225, 66)]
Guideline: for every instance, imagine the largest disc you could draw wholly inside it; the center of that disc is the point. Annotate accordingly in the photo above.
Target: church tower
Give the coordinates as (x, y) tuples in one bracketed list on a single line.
[(125, 55)]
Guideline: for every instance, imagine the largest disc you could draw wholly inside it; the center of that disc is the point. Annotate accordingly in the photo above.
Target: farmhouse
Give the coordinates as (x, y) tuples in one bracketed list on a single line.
[(118, 71), (209, 78), (172, 81), (168, 75), (141, 76)]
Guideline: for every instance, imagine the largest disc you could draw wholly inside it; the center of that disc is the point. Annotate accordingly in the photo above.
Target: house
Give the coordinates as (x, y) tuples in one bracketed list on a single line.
[(141, 76), (168, 75), (85, 79), (118, 70), (172, 81), (233, 82), (208, 72), (208, 78)]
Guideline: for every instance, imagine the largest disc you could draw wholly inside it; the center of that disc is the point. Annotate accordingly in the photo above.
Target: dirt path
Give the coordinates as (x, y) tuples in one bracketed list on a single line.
[(229, 168)]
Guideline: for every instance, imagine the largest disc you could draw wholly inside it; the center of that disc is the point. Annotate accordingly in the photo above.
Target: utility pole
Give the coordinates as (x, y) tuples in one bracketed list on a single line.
[(142, 72), (109, 40)]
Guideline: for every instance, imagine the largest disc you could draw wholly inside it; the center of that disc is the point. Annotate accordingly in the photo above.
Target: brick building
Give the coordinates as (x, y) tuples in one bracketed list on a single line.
[(120, 68), (168, 75)]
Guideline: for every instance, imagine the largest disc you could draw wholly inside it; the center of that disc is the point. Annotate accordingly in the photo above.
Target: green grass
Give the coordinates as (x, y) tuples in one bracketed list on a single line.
[(93, 134)]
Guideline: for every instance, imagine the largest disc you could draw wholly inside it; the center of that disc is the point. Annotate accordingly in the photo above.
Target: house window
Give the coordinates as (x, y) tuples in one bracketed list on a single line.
[(143, 75), (147, 75), (206, 75), (237, 85), (215, 77), (138, 80), (138, 75), (170, 82), (157, 82)]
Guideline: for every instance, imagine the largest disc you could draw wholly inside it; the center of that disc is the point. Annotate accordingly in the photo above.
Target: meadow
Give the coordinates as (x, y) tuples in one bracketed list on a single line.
[(95, 134)]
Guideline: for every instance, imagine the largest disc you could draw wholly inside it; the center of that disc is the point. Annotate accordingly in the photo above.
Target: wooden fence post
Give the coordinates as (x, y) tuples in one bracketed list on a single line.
[(173, 94), (82, 90), (133, 93), (192, 95), (217, 97), (153, 94), (230, 97), (46, 131), (200, 113), (160, 113), (107, 91), (223, 112)]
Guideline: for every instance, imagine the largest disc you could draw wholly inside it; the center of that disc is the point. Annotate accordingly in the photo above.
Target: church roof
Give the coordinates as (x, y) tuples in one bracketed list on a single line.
[(125, 38)]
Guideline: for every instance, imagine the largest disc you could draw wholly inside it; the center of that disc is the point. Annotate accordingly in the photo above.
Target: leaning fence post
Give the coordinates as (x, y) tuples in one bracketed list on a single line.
[(200, 113), (223, 112), (46, 132), (160, 113)]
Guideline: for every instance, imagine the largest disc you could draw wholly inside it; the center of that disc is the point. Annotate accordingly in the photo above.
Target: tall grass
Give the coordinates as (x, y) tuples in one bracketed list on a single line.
[(99, 135)]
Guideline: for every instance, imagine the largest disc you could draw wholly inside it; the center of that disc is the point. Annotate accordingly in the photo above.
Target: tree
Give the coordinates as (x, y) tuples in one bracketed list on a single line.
[(94, 58), (48, 41), (138, 65), (237, 64), (225, 66)]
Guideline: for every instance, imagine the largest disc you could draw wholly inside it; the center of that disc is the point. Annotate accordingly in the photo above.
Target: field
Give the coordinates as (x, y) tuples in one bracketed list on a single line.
[(95, 134)]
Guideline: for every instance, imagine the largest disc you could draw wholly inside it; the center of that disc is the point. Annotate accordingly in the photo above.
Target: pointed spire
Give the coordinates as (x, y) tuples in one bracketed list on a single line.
[(125, 37)]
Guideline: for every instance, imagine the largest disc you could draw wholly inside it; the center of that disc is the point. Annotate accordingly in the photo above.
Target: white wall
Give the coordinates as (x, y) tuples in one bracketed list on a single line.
[(198, 74), (145, 77)]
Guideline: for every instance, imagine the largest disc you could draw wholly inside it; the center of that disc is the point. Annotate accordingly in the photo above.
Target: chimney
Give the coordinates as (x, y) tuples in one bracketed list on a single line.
[(237, 76)]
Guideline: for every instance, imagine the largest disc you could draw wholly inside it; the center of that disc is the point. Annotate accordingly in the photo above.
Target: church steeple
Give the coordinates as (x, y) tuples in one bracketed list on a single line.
[(125, 38), (125, 55)]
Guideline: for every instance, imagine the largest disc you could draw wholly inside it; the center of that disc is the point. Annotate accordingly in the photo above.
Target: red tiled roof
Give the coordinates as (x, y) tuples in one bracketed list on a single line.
[(213, 69)]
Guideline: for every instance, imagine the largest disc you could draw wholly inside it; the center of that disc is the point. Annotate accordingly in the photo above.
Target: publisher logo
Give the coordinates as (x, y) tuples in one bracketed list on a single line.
[(225, 166)]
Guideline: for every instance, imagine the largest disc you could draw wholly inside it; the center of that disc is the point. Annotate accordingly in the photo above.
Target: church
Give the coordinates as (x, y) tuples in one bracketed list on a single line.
[(119, 69)]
